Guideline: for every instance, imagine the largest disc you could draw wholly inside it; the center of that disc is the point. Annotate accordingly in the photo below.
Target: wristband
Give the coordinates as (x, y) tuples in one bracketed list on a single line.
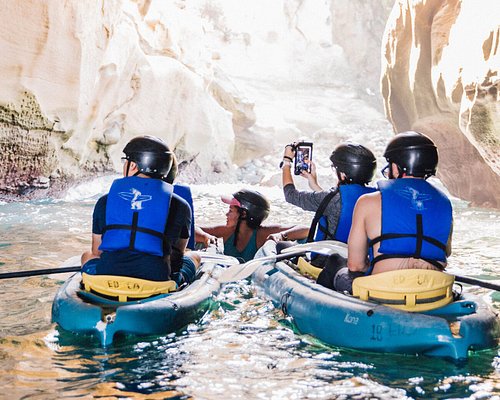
[(287, 158), (285, 163)]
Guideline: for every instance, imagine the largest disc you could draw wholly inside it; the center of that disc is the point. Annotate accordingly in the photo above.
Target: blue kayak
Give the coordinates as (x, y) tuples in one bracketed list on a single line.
[(452, 331), (82, 312)]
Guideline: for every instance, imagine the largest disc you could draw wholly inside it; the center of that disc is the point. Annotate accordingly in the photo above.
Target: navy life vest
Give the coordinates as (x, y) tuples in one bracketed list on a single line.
[(136, 215), (349, 194), (416, 221), (185, 192)]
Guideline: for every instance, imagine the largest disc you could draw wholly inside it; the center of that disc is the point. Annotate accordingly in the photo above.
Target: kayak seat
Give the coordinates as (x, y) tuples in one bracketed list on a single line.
[(306, 268), (124, 288), (413, 290)]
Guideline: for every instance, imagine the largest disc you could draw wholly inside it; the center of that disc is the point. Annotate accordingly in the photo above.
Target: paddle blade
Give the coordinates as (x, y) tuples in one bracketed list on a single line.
[(215, 258), (325, 247), (242, 271)]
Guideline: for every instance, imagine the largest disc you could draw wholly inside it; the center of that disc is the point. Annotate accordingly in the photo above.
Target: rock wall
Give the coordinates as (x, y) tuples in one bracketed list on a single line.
[(79, 79), (99, 72), (358, 26), (440, 76)]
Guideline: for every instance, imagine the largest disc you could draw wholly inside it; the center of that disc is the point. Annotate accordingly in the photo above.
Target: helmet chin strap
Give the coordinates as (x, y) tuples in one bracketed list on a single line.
[(342, 178), (400, 172), (128, 168)]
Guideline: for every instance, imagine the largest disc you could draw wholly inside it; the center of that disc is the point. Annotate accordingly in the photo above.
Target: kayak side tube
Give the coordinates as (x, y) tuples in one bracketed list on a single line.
[(342, 320), (85, 313)]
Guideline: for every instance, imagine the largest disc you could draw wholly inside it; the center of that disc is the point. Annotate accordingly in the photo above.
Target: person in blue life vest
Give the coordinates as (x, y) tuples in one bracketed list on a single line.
[(243, 234), (184, 191), (408, 223), (141, 225), (178, 260), (354, 166)]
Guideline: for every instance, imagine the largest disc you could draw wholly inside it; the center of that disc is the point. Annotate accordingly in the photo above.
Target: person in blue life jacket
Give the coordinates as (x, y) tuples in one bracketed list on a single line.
[(184, 191), (408, 223), (243, 234), (178, 260), (354, 166), (141, 225)]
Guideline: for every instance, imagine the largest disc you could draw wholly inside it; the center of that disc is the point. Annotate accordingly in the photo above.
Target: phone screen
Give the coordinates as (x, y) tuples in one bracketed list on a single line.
[(303, 157)]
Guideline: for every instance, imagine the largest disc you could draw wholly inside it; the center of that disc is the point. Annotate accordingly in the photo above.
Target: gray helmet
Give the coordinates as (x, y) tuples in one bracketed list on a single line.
[(414, 153), (151, 154), (356, 161)]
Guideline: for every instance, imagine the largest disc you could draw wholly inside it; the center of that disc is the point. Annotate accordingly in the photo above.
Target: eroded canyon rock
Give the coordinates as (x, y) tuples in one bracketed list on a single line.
[(441, 66), (79, 79)]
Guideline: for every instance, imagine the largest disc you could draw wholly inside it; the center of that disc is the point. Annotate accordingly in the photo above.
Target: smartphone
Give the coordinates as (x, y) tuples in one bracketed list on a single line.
[(303, 157)]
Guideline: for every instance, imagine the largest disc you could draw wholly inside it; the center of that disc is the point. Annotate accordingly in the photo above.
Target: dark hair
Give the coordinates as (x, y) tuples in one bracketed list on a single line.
[(151, 154), (414, 153), (356, 161)]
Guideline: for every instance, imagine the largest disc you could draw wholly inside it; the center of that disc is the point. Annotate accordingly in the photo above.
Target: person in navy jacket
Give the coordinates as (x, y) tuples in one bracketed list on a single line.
[(141, 224), (408, 223)]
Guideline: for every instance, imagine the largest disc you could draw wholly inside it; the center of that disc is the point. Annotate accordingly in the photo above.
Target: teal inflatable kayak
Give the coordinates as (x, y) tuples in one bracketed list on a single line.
[(451, 331), (80, 311)]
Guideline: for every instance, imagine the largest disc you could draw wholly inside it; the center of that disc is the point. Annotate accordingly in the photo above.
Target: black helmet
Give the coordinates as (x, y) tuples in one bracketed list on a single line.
[(414, 153), (257, 207), (354, 160), (151, 154)]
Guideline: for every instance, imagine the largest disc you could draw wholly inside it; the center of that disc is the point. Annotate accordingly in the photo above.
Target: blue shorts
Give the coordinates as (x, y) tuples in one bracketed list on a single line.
[(187, 273), (90, 266)]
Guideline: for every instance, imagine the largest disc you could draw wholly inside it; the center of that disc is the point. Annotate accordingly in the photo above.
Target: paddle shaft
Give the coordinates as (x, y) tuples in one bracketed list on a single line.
[(36, 272), (477, 282), (224, 260)]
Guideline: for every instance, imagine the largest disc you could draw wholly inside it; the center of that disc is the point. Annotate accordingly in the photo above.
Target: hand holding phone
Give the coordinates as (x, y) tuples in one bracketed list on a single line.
[(303, 157)]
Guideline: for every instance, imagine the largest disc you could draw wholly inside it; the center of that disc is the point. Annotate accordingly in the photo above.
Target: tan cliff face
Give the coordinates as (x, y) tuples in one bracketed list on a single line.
[(440, 76), (79, 79)]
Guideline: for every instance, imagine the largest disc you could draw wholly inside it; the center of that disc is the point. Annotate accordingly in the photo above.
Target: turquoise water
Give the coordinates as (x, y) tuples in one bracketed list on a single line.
[(242, 349)]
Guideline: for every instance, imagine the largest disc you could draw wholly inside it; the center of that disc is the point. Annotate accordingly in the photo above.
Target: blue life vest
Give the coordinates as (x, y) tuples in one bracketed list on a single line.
[(349, 194), (416, 221), (185, 192), (136, 215)]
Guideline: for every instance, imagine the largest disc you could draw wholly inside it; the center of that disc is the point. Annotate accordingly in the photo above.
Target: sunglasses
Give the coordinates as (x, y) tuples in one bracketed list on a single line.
[(385, 171)]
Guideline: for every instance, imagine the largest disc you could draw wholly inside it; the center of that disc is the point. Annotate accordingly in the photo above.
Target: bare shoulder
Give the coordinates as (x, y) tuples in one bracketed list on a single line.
[(368, 202)]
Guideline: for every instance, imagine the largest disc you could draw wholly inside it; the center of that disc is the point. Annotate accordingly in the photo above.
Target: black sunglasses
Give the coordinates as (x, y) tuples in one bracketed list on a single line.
[(385, 171)]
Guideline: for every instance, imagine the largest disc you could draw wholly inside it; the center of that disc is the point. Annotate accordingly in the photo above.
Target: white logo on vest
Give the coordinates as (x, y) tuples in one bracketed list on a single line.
[(417, 199), (136, 198)]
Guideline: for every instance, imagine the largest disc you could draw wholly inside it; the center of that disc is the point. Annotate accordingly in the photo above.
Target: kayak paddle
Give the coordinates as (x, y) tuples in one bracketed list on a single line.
[(477, 282), (34, 272), (342, 250), (207, 257), (242, 271)]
